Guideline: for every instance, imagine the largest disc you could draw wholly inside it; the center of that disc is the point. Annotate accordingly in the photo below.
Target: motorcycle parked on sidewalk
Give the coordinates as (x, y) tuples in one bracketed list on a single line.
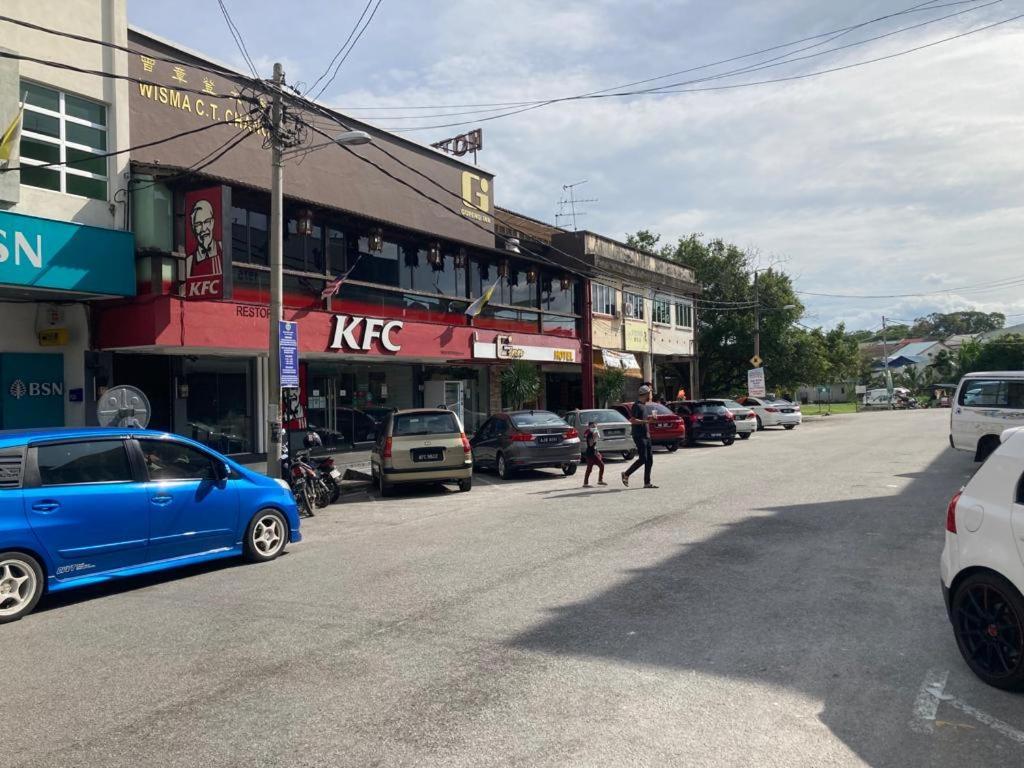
[(308, 484)]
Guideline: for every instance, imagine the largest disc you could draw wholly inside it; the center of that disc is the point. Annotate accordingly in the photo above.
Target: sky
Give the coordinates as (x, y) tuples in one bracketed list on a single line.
[(904, 176)]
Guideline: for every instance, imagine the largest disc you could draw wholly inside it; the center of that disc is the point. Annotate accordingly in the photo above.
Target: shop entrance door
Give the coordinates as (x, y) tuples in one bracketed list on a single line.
[(323, 411), (445, 394)]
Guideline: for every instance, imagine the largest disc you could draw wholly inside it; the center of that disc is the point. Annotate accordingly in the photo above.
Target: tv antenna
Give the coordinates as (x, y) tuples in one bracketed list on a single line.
[(123, 406), (568, 202)]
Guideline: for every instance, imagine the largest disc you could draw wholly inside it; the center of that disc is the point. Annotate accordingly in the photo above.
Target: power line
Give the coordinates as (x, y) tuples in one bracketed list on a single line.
[(337, 69), (995, 285), (343, 46), (239, 40)]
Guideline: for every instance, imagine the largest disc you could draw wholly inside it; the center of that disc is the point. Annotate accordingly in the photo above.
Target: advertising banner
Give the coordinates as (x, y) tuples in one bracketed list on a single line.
[(207, 251), (755, 382)]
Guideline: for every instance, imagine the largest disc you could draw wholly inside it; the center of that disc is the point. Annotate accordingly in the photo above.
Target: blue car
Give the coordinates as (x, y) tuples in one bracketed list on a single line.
[(82, 506)]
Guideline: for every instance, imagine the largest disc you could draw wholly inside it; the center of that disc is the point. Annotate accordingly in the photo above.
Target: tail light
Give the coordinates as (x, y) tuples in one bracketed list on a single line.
[(296, 470), (752, 415), (729, 416), (327, 463), (951, 512), (772, 410), (522, 437), (465, 443), (387, 448), (796, 407), (572, 434)]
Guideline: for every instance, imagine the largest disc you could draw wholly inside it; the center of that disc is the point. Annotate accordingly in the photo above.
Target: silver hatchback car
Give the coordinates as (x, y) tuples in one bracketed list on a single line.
[(614, 434), (526, 440)]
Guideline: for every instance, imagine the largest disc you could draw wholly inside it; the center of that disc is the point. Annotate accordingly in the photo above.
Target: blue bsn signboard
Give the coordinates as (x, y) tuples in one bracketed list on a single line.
[(42, 253), (288, 333), (31, 390)]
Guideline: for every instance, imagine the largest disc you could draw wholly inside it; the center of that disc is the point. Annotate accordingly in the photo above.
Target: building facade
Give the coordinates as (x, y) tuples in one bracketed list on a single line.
[(64, 248), (413, 240)]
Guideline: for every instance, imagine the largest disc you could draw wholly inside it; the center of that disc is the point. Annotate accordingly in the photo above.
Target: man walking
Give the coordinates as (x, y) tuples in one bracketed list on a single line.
[(642, 437)]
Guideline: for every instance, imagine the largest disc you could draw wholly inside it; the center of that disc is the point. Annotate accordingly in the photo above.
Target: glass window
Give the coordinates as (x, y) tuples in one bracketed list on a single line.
[(303, 252), (258, 238), (537, 419), (171, 460), (661, 310), (335, 251), (249, 236), (61, 128), (481, 276), (553, 297), (100, 461), (603, 299), (218, 409), (408, 424), (992, 393), (448, 280), (521, 293), (417, 272), (633, 305), (684, 314), (379, 268)]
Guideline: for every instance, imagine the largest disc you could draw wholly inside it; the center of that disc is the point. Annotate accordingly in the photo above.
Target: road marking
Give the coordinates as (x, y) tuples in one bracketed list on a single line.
[(933, 692)]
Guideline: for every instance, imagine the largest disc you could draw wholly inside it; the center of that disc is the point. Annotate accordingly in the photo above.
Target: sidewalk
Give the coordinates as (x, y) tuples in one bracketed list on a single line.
[(354, 465)]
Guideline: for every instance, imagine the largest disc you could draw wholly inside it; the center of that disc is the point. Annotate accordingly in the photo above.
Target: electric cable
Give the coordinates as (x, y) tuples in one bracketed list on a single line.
[(236, 33), (994, 285), (342, 48), (337, 69)]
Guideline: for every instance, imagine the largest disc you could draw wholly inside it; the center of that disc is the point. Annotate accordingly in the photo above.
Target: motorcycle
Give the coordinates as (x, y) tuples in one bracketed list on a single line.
[(331, 478), (308, 484)]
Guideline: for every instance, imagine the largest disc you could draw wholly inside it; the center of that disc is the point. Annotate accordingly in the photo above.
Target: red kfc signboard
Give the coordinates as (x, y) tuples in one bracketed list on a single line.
[(207, 250)]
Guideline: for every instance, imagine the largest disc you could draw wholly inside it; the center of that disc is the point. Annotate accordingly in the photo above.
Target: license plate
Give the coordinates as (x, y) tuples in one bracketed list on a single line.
[(427, 455), (787, 410), (548, 439), (614, 432), (663, 426), (336, 474), (714, 435)]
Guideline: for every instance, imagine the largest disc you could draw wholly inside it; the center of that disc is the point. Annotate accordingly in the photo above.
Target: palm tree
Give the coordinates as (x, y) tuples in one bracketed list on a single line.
[(520, 384)]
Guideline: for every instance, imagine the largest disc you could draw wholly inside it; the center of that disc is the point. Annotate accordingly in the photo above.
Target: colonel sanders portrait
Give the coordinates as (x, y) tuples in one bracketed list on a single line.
[(205, 260)]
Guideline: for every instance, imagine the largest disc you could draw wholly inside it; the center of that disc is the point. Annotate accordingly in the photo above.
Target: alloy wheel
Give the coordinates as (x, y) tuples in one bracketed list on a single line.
[(268, 535), (17, 586), (990, 630)]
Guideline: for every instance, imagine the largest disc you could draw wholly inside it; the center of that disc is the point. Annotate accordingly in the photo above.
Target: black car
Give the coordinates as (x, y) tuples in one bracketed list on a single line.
[(706, 421)]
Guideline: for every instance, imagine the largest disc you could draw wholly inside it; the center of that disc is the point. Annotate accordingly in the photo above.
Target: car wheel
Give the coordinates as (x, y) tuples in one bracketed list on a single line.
[(729, 441), (569, 469), (383, 486), (21, 585), (745, 435), (672, 447), (266, 536), (988, 621), (789, 426), (465, 485), (986, 445), (760, 424), (504, 470), (628, 455)]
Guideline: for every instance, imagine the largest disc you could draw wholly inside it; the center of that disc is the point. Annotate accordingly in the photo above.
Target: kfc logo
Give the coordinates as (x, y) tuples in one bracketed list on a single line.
[(204, 254), (374, 329)]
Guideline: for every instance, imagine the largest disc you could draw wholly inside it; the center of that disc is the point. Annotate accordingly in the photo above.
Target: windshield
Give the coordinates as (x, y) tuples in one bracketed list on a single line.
[(537, 419), (733, 404), (604, 416), (408, 424), (711, 408), (658, 409)]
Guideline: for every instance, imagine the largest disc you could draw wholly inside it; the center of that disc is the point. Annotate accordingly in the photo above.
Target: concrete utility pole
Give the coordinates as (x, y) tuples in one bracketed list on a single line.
[(276, 280), (885, 360), (757, 319)]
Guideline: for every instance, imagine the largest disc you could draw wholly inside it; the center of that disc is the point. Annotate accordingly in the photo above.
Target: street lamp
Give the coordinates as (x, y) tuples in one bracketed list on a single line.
[(348, 138)]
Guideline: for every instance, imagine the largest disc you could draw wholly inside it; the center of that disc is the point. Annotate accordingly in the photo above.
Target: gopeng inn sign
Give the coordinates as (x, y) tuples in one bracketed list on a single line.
[(347, 335)]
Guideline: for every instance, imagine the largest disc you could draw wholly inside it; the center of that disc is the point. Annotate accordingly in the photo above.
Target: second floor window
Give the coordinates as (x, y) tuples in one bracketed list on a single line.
[(633, 305), (61, 128), (603, 299), (661, 311), (684, 314)]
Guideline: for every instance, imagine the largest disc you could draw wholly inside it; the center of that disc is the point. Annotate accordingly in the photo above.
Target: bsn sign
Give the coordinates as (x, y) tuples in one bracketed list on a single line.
[(373, 329)]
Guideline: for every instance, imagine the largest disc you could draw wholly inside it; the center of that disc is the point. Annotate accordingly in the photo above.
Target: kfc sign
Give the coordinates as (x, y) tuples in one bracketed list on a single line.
[(360, 333), (207, 251)]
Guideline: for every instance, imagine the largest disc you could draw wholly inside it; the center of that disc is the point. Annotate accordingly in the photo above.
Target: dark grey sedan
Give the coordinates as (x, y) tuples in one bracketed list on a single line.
[(526, 440)]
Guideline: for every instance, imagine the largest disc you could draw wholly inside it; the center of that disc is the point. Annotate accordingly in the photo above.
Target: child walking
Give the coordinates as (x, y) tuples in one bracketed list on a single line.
[(592, 456)]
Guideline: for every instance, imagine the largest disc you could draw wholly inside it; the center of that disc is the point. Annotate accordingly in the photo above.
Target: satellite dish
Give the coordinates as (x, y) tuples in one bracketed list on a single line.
[(123, 406)]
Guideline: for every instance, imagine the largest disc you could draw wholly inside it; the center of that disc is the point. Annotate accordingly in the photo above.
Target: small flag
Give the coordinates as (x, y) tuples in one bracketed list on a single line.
[(477, 306), (333, 286), (13, 133)]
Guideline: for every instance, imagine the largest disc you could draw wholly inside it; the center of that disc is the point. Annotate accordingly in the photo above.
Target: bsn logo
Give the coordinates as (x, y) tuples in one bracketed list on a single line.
[(20, 389)]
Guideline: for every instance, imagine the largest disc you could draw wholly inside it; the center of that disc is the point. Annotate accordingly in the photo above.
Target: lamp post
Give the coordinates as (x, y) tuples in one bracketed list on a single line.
[(348, 138)]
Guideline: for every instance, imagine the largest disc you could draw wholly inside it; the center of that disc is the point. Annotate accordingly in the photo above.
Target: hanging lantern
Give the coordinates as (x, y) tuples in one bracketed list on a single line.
[(566, 282), (531, 275), (434, 256), (460, 259), (304, 222), (376, 240), (503, 268)]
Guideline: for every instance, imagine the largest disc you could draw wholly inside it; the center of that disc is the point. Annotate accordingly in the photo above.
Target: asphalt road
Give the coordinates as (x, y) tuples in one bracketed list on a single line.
[(775, 603)]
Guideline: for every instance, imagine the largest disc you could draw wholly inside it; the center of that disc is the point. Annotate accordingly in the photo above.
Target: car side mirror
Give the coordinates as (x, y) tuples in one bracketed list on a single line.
[(221, 471)]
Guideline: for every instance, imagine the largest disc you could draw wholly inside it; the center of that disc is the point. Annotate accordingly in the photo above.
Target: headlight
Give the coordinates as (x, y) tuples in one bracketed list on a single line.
[(283, 483)]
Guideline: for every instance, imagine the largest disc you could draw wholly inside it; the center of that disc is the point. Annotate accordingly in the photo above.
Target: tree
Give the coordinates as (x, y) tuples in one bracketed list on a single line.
[(609, 384), (841, 355), (940, 325), (967, 357), (520, 384), (1005, 353), (943, 365)]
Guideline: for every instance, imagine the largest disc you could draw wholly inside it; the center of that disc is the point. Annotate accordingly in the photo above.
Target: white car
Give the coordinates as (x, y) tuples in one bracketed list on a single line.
[(745, 418), (983, 566), (773, 413), (986, 403)]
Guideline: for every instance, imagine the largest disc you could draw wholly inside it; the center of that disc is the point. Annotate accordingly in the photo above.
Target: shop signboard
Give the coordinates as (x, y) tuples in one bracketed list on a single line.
[(288, 338), (347, 334), (207, 251), (755, 382), (31, 390), (615, 359), (504, 348), (58, 255), (638, 338)]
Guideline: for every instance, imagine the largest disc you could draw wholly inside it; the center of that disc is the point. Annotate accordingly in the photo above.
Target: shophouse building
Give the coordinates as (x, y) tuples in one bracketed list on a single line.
[(414, 239), (64, 248)]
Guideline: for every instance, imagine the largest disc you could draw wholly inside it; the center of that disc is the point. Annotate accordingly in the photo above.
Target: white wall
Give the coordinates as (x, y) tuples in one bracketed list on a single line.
[(101, 19), (18, 321)]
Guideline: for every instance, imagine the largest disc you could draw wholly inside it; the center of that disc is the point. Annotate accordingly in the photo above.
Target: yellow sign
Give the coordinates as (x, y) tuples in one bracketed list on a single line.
[(564, 356), (53, 337), (638, 338), (756, 361), (476, 197)]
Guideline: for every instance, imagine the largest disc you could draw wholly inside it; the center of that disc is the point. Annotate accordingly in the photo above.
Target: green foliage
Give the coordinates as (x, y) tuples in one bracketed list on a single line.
[(1005, 353), (940, 326), (608, 385), (520, 384), (944, 366)]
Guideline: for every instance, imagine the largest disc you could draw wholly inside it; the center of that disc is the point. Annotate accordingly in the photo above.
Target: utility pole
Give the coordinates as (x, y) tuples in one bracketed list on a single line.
[(276, 279), (885, 360), (757, 319)]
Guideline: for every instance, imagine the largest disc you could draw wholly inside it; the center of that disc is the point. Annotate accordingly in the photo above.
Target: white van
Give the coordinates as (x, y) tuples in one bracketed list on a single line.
[(986, 403)]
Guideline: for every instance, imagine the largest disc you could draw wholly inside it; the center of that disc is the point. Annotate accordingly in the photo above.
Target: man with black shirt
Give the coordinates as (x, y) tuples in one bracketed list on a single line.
[(642, 437)]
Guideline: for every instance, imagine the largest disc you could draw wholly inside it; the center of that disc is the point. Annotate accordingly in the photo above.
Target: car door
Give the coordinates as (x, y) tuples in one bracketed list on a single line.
[(482, 443), (86, 504), (193, 507)]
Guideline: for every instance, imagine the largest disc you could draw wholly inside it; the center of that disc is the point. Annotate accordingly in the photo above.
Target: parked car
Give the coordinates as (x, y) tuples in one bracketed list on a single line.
[(773, 413), (516, 440), (422, 445), (706, 421), (982, 567), (82, 506), (669, 430), (746, 419), (613, 429), (986, 403)]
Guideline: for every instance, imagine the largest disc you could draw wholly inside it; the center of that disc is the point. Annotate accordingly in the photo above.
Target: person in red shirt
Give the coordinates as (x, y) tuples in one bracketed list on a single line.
[(592, 456)]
